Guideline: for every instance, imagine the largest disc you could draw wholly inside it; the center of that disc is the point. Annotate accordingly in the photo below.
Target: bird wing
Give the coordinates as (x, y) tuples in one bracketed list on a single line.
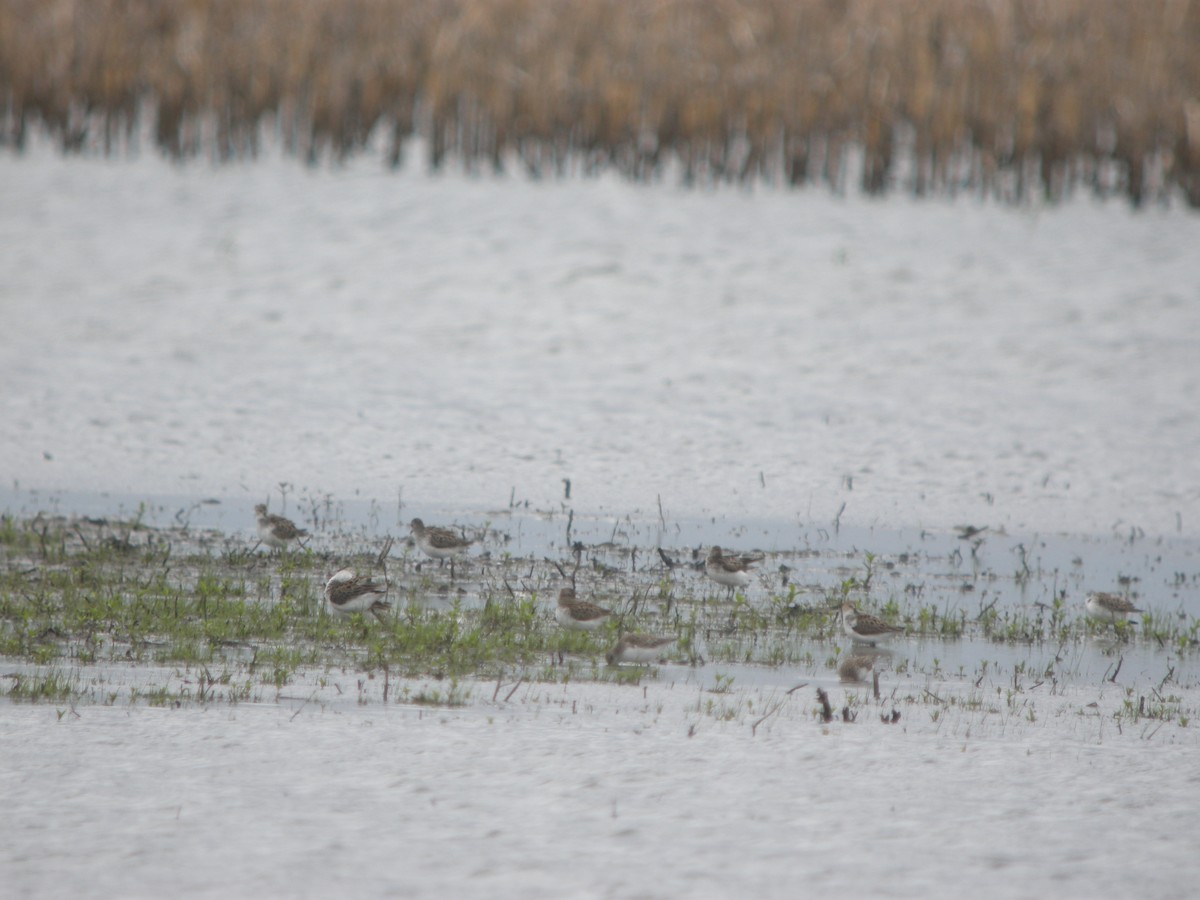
[(343, 592), (445, 540), (581, 609)]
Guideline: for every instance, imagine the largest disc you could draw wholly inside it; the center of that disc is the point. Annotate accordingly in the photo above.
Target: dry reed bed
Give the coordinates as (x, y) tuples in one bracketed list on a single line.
[(1007, 97)]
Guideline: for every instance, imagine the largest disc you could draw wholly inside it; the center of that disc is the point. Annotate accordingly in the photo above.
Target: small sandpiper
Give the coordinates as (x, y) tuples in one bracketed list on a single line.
[(638, 648), (347, 593), (276, 531), (854, 669), (439, 543), (731, 571), (579, 615), (1112, 608), (865, 628)]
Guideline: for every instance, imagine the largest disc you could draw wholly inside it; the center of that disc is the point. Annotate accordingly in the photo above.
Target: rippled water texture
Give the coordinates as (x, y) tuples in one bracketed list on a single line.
[(586, 790), (758, 361), (214, 331)]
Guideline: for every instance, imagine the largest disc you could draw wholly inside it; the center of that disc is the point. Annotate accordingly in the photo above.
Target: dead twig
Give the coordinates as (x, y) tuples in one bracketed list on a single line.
[(520, 681), (770, 712), (381, 559), (1170, 674), (826, 709), (304, 704)]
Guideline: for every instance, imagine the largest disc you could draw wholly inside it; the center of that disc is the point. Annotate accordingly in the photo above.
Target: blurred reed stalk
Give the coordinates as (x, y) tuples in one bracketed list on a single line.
[(1014, 99)]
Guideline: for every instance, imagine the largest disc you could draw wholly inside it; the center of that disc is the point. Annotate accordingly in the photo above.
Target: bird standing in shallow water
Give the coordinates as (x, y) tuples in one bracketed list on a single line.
[(854, 669), (1112, 608), (731, 571), (439, 543), (638, 648), (347, 593), (579, 615), (865, 628), (276, 531)]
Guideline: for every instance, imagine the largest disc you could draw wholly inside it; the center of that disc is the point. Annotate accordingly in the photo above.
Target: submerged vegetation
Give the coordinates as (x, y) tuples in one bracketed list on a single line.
[(231, 624), (1007, 98)]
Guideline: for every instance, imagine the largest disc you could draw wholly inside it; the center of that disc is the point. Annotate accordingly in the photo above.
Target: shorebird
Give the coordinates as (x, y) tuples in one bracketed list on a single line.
[(347, 593), (854, 669), (276, 531), (1113, 608), (439, 543), (731, 571), (579, 615), (638, 648), (865, 628)]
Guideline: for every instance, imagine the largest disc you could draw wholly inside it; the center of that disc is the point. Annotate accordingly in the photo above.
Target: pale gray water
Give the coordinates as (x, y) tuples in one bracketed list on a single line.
[(215, 331), (585, 790), (751, 360)]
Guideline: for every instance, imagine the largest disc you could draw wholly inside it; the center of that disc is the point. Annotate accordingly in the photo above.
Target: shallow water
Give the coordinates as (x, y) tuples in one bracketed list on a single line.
[(591, 790), (713, 780), (457, 341), (817, 377)]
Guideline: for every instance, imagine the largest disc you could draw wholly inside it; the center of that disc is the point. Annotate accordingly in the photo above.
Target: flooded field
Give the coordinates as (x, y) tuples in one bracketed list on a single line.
[(587, 791), (195, 693), (961, 418)]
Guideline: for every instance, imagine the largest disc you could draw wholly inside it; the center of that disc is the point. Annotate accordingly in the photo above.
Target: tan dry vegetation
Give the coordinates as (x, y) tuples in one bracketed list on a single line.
[(1010, 98)]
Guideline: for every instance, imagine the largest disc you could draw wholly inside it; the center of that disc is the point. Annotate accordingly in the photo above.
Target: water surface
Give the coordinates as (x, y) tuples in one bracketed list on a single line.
[(817, 377)]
